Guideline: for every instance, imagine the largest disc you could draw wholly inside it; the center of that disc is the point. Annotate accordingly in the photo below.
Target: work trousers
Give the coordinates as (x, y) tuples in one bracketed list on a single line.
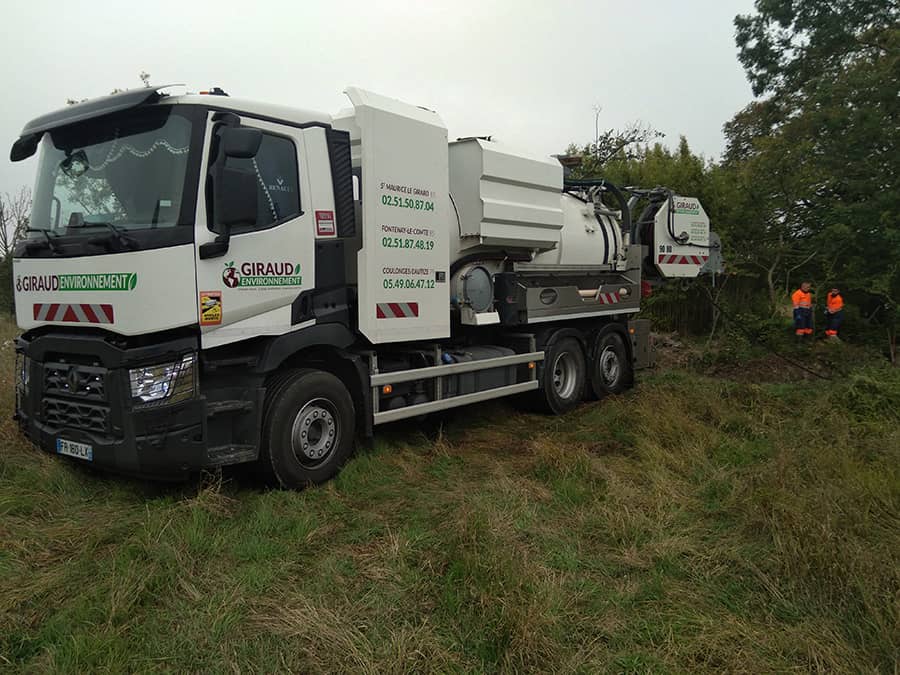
[(833, 322), (803, 321)]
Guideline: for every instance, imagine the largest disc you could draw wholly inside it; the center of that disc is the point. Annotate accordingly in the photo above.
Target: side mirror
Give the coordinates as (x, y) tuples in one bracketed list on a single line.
[(241, 142), (236, 198), (235, 203), (24, 147)]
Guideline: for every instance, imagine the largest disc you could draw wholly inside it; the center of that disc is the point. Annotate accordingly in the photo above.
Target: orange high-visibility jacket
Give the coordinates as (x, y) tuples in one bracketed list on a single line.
[(802, 299), (835, 303)]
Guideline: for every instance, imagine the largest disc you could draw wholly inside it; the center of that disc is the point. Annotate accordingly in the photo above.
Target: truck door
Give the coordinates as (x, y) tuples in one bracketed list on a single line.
[(249, 290)]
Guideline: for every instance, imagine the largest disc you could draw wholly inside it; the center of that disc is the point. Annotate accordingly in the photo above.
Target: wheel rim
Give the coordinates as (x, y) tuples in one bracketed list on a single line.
[(564, 375), (609, 366), (314, 433)]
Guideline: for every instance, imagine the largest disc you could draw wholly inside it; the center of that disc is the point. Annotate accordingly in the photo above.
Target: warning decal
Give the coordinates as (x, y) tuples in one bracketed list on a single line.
[(682, 259), (210, 308), (325, 224), (397, 310)]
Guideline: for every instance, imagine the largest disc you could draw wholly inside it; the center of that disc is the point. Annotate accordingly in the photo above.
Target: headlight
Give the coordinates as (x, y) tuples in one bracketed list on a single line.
[(165, 383)]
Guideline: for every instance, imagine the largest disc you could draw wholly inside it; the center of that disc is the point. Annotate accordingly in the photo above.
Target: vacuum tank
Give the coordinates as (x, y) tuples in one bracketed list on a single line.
[(509, 202)]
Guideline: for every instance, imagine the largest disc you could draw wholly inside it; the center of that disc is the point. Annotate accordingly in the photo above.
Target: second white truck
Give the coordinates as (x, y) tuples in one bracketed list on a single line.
[(211, 281)]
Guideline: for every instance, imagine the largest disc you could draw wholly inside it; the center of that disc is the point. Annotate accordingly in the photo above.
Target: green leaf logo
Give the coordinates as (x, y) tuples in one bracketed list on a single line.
[(132, 281)]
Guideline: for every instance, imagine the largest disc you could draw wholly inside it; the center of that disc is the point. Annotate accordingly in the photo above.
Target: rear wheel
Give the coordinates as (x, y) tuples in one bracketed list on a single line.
[(308, 430), (563, 377), (611, 372)]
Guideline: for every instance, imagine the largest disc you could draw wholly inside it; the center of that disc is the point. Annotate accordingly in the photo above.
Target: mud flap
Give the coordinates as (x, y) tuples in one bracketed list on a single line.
[(641, 348)]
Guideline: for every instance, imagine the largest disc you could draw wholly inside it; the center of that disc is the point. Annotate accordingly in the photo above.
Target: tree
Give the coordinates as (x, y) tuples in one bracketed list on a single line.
[(819, 153), (790, 47), (589, 160), (14, 214), (15, 211)]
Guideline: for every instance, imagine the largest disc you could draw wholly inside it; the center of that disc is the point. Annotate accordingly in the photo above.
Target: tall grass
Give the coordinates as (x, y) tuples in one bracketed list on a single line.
[(694, 524)]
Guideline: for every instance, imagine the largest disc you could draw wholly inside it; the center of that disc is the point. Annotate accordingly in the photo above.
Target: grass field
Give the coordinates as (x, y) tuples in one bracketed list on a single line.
[(694, 524)]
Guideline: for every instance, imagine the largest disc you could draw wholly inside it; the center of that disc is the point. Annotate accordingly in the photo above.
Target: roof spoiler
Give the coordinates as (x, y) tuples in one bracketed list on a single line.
[(26, 145)]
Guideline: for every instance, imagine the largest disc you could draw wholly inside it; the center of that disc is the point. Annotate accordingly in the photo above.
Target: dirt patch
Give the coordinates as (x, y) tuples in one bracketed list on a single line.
[(765, 369), (672, 352), (758, 365)]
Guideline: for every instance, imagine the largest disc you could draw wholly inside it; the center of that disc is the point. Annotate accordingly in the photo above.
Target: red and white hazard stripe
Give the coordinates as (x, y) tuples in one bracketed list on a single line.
[(668, 259), (608, 298), (74, 313), (397, 310)]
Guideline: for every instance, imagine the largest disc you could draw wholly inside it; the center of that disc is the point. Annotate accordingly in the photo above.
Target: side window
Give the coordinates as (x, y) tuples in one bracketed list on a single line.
[(277, 179)]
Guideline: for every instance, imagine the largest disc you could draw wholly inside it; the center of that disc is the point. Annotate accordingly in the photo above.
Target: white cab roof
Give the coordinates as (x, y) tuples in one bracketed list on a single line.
[(241, 105)]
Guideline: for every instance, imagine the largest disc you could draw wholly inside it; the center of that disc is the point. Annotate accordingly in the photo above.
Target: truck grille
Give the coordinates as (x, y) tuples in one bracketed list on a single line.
[(59, 413), (79, 381)]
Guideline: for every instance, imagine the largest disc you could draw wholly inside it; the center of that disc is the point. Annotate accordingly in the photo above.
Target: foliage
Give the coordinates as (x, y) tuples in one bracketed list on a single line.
[(626, 144), (15, 213), (809, 185), (7, 294), (144, 77), (792, 46), (15, 210), (819, 155)]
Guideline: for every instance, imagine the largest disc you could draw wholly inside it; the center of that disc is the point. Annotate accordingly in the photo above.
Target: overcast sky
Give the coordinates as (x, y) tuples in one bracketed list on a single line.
[(528, 72)]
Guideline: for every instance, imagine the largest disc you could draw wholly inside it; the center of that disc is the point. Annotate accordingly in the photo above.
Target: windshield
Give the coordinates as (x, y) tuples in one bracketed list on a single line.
[(116, 174)]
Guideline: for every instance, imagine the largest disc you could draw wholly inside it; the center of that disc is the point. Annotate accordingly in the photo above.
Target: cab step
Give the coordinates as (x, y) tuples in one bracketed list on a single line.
[(223, 455), (219, 407)]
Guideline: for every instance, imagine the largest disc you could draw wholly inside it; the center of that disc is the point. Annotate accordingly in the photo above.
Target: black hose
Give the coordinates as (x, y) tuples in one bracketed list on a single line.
[(456, 211), (487, 255)]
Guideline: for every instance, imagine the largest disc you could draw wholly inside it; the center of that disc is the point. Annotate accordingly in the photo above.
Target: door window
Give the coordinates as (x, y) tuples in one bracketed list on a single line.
[(277, 181)]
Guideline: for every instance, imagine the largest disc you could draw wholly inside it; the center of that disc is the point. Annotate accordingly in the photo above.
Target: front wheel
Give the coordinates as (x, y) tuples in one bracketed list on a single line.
[(308, 430)]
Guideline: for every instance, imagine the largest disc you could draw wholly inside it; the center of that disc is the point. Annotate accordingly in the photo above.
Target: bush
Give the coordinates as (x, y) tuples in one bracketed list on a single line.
[(870, 396), (7, 297)]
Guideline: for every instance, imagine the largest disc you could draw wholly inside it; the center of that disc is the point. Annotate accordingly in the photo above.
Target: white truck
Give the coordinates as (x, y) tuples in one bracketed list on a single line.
[(211, 281)]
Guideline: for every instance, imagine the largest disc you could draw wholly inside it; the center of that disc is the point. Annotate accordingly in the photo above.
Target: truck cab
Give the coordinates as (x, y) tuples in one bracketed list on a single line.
[(164, 227)]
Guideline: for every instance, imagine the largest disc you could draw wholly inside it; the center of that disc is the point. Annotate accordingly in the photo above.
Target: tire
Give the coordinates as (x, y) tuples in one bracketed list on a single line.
[(308, 428), (563, 377), (611, 371)]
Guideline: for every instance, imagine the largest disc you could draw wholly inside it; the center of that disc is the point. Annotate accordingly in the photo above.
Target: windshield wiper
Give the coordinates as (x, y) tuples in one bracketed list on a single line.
[(116, 235), (50, 243)]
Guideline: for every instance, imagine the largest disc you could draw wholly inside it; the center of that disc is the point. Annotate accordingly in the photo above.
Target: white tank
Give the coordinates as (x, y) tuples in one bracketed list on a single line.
[(586, 238), (508, 201)]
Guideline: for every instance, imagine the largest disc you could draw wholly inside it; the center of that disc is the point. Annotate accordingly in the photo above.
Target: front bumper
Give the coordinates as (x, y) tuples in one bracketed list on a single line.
[(165, 442)]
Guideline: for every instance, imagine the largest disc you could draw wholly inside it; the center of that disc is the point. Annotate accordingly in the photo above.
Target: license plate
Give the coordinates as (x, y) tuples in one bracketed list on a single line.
[(73, 449)]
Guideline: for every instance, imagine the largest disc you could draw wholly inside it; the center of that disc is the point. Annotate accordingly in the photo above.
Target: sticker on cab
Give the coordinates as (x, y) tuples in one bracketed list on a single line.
[(325, 224), (210, 308)]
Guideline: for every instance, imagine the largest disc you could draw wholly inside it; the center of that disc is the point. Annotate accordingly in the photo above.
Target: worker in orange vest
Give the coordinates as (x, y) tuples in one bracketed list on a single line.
[(802, 299), (834, 312)]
